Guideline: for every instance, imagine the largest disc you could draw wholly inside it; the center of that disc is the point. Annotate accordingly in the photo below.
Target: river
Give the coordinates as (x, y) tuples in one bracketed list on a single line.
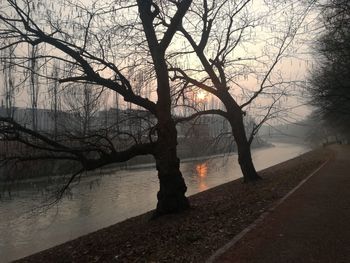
[(102, 200)]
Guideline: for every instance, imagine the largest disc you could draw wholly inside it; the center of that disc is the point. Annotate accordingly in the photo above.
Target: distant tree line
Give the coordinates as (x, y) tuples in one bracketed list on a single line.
[(330, 81)]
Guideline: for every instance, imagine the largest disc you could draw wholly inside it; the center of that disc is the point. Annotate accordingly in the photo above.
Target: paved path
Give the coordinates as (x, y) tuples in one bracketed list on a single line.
[(312, 225)]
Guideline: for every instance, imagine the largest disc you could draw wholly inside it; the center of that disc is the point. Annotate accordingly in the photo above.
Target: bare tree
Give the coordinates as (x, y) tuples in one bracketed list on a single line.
[(220, 39), (33, 84), (55, 99), (83, 102), (92, 39), (330, 81), (9, 83)]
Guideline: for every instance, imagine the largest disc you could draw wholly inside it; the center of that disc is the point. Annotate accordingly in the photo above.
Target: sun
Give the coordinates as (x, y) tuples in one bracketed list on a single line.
[(201, 95)]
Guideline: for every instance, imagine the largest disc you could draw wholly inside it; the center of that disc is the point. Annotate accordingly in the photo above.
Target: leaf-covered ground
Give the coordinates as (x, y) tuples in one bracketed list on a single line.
[(216, 216)]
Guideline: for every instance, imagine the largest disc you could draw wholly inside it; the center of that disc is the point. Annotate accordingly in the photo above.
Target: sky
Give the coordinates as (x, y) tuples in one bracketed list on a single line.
[(295, 66)]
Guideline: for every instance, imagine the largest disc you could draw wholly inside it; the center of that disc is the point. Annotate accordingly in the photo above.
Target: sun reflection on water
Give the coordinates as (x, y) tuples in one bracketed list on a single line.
[(202, 171)]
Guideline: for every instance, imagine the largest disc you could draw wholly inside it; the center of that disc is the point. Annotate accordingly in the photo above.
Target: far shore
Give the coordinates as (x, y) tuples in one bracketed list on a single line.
[(215, 217), (123, 166), (115, 167)]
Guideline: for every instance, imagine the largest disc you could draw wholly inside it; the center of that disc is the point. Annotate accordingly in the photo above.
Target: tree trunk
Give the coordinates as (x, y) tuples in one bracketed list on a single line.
[(243, 147), (171, 196), (235, 118)]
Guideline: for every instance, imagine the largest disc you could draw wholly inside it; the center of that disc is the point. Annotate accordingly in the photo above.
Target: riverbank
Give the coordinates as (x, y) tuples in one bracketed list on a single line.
[(54, 170), (216, 216), (106, 170)]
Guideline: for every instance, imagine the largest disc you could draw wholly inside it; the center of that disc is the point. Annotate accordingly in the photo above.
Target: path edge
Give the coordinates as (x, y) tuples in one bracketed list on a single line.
[(257, 221)]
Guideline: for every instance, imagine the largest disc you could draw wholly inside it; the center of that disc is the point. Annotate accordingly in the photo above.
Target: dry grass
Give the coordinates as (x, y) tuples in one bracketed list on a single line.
[(216, 216)]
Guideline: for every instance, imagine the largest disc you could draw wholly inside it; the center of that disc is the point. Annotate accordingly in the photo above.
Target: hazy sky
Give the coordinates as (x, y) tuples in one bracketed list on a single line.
[(294, 67)]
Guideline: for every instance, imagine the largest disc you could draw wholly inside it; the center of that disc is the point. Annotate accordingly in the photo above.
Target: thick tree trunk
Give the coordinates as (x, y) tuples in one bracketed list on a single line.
[(235, 118), (244, 153), (171, 196)]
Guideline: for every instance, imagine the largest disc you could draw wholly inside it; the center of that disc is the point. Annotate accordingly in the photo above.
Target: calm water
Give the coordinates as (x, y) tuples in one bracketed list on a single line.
[(99, 201)]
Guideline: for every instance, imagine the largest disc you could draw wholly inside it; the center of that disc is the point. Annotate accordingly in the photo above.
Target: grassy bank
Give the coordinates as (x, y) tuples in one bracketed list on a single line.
[(216, 216)]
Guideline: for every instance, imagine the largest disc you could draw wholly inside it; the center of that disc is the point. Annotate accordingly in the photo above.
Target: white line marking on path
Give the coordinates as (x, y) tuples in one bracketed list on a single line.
[(240, 235)]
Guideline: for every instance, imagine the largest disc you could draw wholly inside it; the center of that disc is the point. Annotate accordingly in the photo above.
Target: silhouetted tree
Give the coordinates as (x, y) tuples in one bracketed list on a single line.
[(8, 88), (219, 36), (83, 102), (91, 40), (330, 82)]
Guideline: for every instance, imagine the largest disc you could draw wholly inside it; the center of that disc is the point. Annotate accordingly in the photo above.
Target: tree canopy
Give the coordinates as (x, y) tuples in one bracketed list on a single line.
[(330, 81)]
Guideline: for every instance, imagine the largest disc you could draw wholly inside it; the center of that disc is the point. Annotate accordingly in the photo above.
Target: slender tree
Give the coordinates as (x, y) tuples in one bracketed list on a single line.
[(33, 85), (55, 101), (8, 90), (83, 102)]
